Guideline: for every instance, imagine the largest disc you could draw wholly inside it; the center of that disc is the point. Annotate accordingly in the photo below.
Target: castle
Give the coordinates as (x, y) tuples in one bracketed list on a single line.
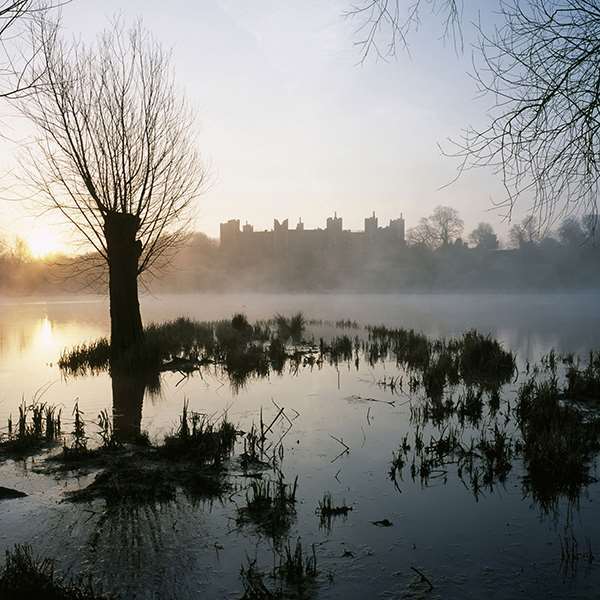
[(284, 243)]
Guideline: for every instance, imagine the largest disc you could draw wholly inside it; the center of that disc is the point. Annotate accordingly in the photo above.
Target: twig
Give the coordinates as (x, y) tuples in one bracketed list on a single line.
[(423, 577), (346, 449)]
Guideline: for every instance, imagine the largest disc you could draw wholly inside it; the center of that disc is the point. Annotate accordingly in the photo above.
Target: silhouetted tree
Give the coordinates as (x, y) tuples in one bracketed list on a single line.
[(570, 232), (115, 155), (589, 224), (484, 237), (422, 235), (447, 224), (524, 233), (442, 228)]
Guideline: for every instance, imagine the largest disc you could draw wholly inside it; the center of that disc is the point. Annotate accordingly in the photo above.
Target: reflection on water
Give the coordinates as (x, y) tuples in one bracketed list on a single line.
[(470, 546), (128, 399)]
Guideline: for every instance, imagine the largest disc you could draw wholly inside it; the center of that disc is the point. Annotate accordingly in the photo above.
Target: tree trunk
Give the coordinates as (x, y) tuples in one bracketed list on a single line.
[(124, 253)]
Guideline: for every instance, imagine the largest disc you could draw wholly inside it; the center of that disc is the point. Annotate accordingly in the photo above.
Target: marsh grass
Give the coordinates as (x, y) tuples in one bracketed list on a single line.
[(290, 327), (479, 461), (200, 439), (461, 423), (559, 442), (328, 510), (270, 506), (242, 351), (293, 576), (38, 427), (78, 448), (583, 383), (471, 359), (26, 577), (190, 459)]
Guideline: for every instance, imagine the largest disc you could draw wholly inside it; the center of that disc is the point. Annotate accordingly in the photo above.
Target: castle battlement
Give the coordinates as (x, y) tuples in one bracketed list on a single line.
[(281, 241)]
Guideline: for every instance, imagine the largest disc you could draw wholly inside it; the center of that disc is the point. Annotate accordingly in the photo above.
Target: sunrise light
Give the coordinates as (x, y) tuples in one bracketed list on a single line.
[(42, 243)]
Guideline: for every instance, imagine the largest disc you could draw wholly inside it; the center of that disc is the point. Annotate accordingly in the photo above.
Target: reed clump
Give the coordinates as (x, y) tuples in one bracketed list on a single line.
[(559, 442), (483, 360), (270, 505), (583, 382), (200, 439), (78, 449), (293, 576), (328, 510), (290, 327), (191, 459), (37, 427)]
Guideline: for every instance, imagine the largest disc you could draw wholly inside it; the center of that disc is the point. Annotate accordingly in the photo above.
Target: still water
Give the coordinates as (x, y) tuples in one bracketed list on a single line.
[(498, 545)]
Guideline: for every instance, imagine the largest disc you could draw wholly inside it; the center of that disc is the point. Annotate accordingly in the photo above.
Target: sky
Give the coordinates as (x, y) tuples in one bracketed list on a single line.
[(291, 124)]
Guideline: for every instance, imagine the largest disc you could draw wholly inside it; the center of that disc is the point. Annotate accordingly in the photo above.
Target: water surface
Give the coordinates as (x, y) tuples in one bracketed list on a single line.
[(500, 544)]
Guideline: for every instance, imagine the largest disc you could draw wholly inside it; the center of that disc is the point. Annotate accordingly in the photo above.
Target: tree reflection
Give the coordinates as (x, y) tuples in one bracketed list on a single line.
[(128, 398)]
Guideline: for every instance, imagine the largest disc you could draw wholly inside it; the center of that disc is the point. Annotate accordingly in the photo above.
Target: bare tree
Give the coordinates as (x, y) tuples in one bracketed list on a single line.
[(525, 233), (484, 237), (115, 155), (442, 228), (447, 224), (423, 235), (589, 224), (384, 25), (570, 233)]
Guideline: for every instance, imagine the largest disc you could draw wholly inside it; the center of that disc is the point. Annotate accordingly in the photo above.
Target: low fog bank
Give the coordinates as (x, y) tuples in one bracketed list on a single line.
[(202, 266), (544, 266)]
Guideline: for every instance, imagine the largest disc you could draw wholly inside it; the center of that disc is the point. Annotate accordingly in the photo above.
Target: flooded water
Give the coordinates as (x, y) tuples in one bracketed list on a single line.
[(498, 543)]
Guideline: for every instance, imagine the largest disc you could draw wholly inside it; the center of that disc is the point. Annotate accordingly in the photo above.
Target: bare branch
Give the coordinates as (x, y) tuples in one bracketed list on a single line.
[(542, 70), (384, 26)]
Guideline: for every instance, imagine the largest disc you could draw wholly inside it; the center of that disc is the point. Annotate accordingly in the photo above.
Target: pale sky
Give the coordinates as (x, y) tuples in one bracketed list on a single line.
[(290, 125)]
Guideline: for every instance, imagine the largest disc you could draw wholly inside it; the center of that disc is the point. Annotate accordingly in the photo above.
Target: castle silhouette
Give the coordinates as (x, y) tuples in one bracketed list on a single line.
[(282, 242)]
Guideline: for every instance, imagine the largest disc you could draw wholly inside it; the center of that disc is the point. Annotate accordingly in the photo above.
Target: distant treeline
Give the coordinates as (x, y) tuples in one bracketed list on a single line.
[(566, 260)]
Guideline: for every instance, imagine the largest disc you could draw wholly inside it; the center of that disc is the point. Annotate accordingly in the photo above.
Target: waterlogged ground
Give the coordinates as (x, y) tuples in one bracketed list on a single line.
[(496, 543)]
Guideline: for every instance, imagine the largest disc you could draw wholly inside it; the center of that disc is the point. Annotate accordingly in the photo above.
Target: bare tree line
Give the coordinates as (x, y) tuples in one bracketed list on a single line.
[(444, 228)]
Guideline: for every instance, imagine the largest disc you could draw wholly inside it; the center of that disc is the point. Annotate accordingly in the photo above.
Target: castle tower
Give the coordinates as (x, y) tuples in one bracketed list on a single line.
[(371, 225), (230, 234), (334, 224), (280, 237), (397, 228)]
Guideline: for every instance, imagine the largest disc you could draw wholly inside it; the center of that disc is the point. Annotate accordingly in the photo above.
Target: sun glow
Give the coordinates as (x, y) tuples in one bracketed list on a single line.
[(43, 243)]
